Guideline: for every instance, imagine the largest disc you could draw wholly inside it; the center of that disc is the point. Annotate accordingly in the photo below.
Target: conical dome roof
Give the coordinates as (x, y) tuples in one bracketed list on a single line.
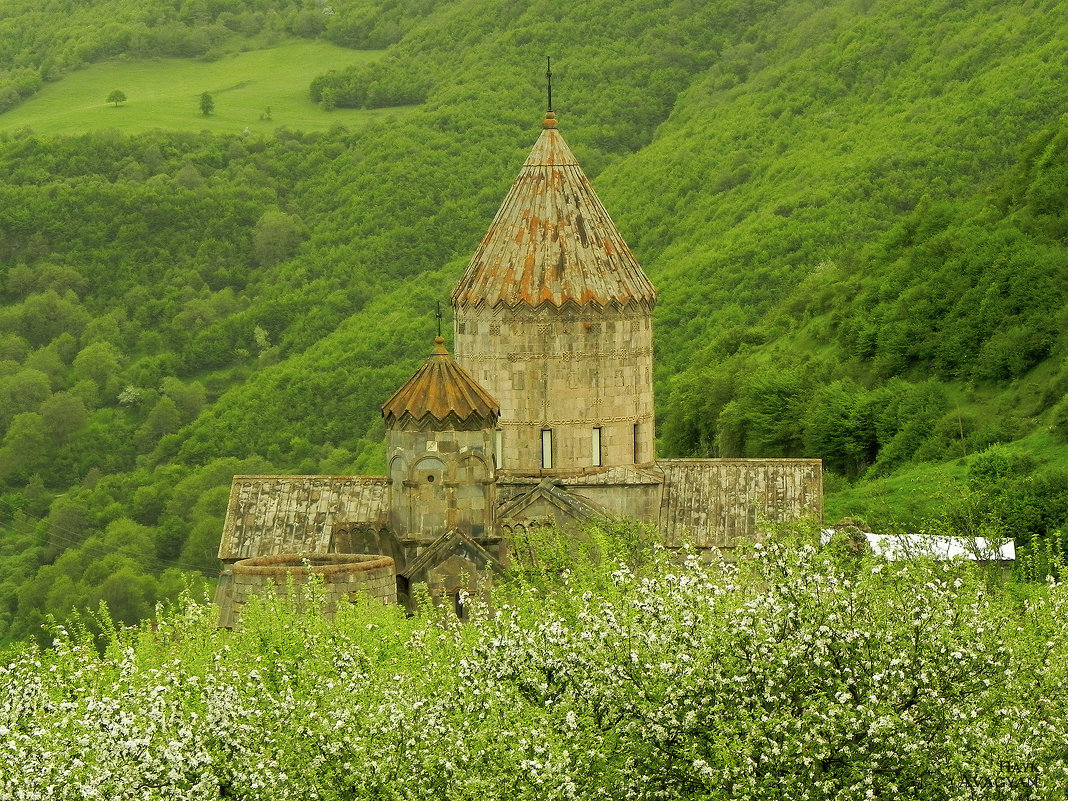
[(440, 394), (552, 241)]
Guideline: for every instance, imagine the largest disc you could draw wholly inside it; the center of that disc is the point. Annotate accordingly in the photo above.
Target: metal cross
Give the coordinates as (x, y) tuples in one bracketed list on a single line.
[(549, 79)]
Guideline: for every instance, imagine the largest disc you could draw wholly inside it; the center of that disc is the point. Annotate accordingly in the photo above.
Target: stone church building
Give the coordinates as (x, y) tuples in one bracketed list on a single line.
[(543, 416)]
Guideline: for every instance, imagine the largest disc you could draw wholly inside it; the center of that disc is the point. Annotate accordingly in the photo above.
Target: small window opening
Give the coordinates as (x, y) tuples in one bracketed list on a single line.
[(547, 449), (595, 447)]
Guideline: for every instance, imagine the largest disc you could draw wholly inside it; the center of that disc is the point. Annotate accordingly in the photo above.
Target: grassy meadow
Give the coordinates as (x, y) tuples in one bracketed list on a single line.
[(165, 93)]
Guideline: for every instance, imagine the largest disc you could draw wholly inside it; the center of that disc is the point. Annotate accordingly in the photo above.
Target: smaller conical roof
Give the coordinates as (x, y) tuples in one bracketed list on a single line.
[(441, 393)]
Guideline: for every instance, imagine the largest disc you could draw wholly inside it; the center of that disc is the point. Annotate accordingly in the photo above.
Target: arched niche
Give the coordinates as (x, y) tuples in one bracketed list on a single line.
[(472, 494), (428, 500), (469, 467), (427, 469), (398, 469)]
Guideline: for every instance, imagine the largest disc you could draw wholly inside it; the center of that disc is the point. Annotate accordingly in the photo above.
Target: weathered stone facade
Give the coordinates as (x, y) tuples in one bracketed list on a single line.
[(710, 503), (441, 480), (298, 516), (544, 418), (582, 374)]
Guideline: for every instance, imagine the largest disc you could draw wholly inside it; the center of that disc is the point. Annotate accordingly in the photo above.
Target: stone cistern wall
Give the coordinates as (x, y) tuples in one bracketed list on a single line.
[(344, 575)]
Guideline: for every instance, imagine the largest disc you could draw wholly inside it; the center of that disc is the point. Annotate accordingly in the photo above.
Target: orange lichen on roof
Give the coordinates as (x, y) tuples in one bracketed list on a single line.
[(443, 390), (552, 241)]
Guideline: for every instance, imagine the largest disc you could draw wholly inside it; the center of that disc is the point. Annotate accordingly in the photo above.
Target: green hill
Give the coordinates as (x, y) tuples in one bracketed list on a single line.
[(854, 213), (256, 90)]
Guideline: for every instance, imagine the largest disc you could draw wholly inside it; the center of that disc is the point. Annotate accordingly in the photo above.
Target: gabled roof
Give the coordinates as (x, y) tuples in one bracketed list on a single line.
[(711, 502), (452, 541), (441, 393), (298, 514), (552, 241), (549, 492)]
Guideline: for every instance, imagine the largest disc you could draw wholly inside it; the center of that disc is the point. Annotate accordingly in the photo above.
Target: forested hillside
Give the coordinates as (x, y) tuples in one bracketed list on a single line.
[(855, 212)]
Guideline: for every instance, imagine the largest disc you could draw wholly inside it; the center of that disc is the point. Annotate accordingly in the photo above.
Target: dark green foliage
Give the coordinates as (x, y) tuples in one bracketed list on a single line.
[(1059, 418), (375, 24), (276, 236), (841, 427), (910, 266), (1010, 497), (374, 85)]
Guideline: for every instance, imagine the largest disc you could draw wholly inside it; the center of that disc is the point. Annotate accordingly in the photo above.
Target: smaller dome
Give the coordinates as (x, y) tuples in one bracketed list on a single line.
[(441, 395)]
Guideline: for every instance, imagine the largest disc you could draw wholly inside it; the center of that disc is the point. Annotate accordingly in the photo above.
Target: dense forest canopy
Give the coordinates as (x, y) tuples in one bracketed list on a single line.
[(854, 211)]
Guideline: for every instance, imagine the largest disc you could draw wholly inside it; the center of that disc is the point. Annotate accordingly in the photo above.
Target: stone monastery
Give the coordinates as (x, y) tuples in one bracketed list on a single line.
[(543, 416)]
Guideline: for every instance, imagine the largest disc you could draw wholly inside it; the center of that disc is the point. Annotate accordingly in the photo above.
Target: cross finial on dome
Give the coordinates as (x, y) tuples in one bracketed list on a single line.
[(550, 117), (549, 80)]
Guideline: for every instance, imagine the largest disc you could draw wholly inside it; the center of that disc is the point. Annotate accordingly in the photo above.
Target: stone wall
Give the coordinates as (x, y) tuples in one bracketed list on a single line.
[(568, 371), (441, 480), (708, 503), (344, 575), (627, 492)]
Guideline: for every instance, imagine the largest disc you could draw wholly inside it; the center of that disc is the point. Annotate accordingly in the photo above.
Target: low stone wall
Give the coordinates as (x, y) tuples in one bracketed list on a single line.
[(344, 575)]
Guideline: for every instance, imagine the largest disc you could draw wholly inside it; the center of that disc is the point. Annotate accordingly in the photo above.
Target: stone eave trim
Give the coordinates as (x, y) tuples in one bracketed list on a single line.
[(283, 564)]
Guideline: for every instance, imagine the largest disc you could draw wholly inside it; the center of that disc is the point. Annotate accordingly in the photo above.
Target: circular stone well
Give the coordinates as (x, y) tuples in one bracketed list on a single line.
[(343, 575)]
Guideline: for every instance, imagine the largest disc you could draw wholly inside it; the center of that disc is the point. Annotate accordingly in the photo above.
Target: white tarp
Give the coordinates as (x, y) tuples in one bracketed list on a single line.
[(934, 546)]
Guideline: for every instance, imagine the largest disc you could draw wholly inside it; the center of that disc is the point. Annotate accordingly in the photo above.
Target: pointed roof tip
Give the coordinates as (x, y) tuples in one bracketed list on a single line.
[(442, 389), (550, 149)]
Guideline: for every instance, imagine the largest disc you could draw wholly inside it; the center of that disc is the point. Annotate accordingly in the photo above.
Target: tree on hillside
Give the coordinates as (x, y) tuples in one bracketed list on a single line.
[(207, 104), (116, 97), (276, 236)]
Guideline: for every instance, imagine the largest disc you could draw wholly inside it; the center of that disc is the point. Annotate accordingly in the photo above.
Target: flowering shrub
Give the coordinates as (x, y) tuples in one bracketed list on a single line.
[(786, 675)]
